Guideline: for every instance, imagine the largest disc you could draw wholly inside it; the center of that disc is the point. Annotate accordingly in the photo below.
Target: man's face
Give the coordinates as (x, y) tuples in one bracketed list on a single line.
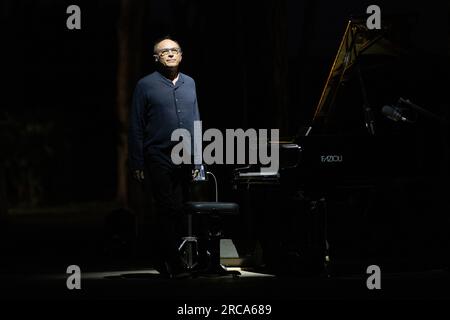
[(168, 53)]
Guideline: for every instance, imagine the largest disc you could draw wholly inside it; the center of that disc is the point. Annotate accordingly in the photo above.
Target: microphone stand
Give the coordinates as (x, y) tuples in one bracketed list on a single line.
[(423, 111)]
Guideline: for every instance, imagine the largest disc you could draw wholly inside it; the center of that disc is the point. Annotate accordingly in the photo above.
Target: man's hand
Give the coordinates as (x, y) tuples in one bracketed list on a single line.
[(195, 173), (198, 173), (138, 175)]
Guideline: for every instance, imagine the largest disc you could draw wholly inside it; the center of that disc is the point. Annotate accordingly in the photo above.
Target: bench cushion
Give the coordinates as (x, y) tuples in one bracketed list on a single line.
[(211, 207)]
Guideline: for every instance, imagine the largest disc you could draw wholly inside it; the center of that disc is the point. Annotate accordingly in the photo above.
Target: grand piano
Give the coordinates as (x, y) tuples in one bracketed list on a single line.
[(338, 162), (342, 144)]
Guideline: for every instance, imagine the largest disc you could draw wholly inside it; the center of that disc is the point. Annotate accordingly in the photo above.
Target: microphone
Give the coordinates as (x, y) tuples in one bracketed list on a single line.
[(393, 113)]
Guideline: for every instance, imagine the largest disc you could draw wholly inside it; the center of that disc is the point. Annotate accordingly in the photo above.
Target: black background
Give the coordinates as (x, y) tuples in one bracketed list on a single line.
[(257, 64)]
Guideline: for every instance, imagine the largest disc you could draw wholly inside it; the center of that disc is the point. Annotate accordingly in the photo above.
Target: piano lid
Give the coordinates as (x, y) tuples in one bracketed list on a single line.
[(357, 41)]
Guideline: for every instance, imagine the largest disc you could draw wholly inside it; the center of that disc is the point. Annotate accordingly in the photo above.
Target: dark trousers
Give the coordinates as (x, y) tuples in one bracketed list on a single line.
[(169, 186)]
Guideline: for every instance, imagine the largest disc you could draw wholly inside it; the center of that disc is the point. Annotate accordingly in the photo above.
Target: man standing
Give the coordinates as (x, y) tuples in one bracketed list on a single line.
[(163, 101)]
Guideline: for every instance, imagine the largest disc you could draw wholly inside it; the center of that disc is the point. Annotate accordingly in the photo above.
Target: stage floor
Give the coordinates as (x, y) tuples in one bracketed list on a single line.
[(146, 283)]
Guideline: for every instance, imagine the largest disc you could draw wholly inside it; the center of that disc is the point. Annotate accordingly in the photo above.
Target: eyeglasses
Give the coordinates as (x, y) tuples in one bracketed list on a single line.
[(165, 52)]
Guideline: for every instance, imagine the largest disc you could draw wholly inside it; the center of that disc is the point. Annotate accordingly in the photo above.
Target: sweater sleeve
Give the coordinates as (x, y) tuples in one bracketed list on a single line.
[(198, 146), (136, 130)]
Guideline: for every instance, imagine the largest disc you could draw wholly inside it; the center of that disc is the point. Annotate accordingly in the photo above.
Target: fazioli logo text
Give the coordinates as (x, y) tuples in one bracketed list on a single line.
[(331, 158)]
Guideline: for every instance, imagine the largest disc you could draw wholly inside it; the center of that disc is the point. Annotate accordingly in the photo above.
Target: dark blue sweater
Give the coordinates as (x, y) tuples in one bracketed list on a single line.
[(158, 108)]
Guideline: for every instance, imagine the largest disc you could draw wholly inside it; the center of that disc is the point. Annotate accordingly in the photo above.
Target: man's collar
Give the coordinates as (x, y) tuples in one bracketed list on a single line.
[(168, 81)]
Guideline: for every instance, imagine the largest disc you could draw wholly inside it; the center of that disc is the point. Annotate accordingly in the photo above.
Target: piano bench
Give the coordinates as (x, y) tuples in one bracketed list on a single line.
[(213, 211)]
